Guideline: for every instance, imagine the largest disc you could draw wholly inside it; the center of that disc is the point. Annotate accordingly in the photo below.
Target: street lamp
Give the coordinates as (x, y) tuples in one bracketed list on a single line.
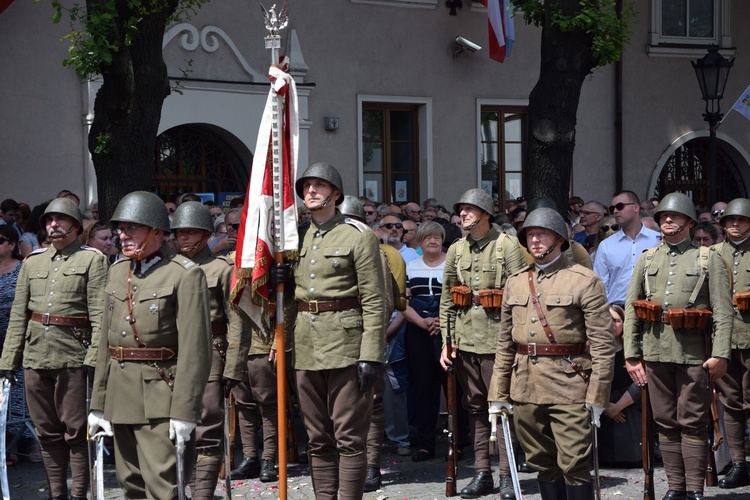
[(712, 72)]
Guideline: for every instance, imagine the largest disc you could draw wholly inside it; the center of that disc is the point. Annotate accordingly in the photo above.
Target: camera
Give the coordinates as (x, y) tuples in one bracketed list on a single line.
[(463, 43)]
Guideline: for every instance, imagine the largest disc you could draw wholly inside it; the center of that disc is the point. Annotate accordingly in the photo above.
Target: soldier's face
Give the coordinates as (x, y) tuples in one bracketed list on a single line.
[(318, 193), (132, 237), (736, 227), (470, 215), (191, 240), (673, 224), (540, 240), (61, 228)]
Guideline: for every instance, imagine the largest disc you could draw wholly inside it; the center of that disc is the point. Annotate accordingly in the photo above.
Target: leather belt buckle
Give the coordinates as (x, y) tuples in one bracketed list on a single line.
[(44, 319), (532, 350), (120, 354), (312, 307)]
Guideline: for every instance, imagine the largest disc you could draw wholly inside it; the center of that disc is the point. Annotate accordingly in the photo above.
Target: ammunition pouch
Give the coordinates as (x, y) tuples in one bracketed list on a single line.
[(491, 299), (742, 301), (647, 310), (687, 317), (461, 295)]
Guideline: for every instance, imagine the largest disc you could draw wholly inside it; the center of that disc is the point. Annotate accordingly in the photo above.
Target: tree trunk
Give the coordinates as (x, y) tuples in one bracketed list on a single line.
[(127, 109), (566, 60)]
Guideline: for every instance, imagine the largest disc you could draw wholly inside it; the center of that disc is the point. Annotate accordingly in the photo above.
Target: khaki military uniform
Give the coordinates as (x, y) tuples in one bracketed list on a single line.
[(170, 306), (62, 283), (474, 263), (210, 432), (734, 386), (548, 392), (678, 384), (338, 260)]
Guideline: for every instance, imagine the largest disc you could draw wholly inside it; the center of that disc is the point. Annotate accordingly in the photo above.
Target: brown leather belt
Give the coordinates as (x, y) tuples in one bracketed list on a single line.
[(316, 306), (52, 319), (551, 349), (142, 353), (218, 329)]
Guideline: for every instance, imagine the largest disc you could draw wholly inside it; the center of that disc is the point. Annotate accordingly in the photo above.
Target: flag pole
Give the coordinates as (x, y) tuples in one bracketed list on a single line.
[(275, 23)]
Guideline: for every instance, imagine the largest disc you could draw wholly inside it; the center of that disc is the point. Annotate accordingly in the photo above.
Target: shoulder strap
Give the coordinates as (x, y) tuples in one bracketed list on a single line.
[(704, 252), (460, 245), (500, 257), (539, 312), (649, 257)]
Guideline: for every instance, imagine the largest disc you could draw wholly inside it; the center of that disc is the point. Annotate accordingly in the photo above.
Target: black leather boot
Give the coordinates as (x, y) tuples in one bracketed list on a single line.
[(583, 491), (506, 488), (373, 481), (736, 477), (552, 490), (694, 495), (267, 471), (675, 495), (249, 468), (481, 485)]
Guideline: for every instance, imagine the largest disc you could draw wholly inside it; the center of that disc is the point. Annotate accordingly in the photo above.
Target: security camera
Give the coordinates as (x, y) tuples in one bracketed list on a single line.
[(463, 43)]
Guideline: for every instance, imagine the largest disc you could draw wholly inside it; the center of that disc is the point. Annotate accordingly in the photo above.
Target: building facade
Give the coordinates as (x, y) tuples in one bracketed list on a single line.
[(388, 98)]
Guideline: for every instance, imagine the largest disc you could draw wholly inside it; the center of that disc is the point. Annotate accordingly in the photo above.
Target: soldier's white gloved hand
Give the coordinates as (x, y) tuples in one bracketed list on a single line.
[(497, 406), (596, 413), (179, 430), (96, 421)]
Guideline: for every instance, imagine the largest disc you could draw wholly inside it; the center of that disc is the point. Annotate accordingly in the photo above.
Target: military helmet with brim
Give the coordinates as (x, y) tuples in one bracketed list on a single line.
[(545, 218), (324, 171), (479, 198), (678, 203), (63, 206), (192, 215), (142, 207)]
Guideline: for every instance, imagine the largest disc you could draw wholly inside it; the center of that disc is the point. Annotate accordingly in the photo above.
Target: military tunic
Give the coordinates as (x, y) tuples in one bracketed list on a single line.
[(545, 388), (339, 259), (678, 384), (170, 302), (734, 386), (67, 282), (475, 263)]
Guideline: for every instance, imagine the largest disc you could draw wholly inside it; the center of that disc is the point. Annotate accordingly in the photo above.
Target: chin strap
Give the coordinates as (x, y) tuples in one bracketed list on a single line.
[(138, 254), (322, 205), (677, 231)]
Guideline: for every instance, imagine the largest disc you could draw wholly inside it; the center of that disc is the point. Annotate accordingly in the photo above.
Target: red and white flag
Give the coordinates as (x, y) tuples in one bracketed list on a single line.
[(501, 29), (256, 243)]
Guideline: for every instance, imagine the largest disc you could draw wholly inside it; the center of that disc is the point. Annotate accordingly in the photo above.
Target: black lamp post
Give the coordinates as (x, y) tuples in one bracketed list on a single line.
[(712, 72)]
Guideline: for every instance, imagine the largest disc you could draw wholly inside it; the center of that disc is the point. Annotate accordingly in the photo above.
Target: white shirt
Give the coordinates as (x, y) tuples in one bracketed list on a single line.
[(616, 257)]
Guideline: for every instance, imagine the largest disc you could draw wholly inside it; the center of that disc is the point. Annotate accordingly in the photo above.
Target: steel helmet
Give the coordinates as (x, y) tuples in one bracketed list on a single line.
[(144, 208), (478, 198), (541, 201), (352, 206), (546, 218), (324, 171), (675, 202), (63, 206), (738, 206), (192, 215)]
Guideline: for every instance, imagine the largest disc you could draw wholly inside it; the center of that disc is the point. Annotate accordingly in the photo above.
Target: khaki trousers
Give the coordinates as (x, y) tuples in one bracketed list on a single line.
[(734, 389), (259, 393)]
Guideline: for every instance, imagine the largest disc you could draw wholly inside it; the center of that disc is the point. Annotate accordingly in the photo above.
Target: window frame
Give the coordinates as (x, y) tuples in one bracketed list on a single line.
[(690, 47)]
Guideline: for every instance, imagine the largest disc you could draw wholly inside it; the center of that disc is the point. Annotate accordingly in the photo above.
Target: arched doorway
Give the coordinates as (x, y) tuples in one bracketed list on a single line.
[(196, 158), (684, 168)]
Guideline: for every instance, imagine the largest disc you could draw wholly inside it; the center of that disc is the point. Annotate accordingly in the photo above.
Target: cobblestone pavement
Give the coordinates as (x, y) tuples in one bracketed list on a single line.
[(402, 479)]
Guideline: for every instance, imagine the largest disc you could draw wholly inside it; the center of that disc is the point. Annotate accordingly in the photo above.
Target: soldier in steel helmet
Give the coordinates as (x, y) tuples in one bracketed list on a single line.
[(55, 318), (575, 251), (339, 335), (543, 373), (477, 265), (668, 280), (154, 356), (192, 225), (734, 386)]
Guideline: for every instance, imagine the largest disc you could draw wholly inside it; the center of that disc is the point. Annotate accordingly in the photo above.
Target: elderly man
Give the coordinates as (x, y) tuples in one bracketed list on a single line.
[(591, 218), (56, 316), (410, 235), (155, 354), (413, 211), (394, 228), (551, 381), (371, 214), (227, 244)]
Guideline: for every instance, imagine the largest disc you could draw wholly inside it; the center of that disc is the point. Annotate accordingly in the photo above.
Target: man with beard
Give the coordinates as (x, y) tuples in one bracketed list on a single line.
[(666, 349), (477, 266), (394, 229), (154, 355), (543, 373), (56, 316), (192, 225)]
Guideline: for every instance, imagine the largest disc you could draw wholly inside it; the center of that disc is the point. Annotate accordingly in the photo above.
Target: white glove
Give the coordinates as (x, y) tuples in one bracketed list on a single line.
[(96, 421), (179, 430), (498, 406), (596, 413)]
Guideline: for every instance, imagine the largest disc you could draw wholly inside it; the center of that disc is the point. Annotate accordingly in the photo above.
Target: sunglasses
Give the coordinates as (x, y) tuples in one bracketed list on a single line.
[(3, 240), (236, 227), (614, 227), (717, 212), (391, 225), (586, 212), (521, 198), (620, 206), (369, 212)]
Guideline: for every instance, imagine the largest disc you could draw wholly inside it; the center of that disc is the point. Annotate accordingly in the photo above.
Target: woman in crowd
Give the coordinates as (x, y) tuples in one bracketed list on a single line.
[(99, 235), (423, 340), (607, 229), (704, 234), (29, 241), (620, 432)]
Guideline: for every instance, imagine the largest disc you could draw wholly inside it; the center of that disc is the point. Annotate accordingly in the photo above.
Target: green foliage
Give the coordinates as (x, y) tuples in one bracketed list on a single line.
[(597, 18), (102, 143), (98, 33)]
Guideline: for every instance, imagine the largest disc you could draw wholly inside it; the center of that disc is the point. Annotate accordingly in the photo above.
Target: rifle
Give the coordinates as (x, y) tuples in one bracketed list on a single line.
[(713, 445), (647, 445), (452, 460), (228, 439)]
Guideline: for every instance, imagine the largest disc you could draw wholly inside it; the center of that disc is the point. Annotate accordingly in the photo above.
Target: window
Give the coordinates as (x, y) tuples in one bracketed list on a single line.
[(390, 152), (503, 143), (686, 27)]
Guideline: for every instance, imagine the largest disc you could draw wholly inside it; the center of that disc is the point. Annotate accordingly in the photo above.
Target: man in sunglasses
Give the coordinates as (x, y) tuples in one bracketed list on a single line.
[(56, 317), (154, 355), (413, 211), (717, 210), (394, 228), (616, 256), (477, 266), (226, 244)]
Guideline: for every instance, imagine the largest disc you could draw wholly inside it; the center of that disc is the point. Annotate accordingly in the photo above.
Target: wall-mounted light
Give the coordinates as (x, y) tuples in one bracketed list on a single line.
[(453, 5)]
